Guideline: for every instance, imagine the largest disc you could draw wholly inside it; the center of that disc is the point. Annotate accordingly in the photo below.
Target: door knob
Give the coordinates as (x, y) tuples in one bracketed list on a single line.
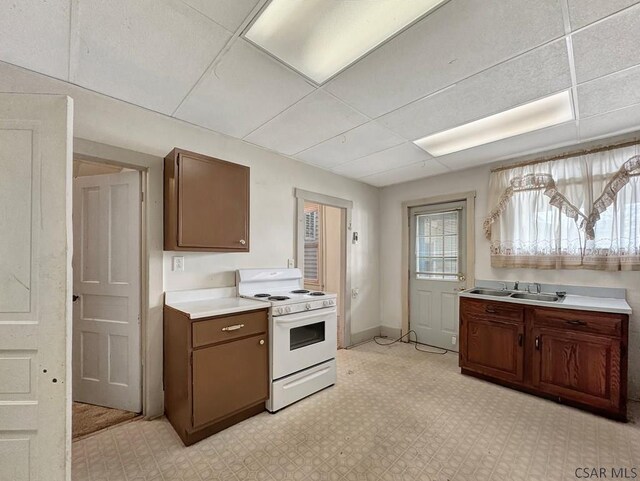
[(262, 342), (462, 277), (243, 242)]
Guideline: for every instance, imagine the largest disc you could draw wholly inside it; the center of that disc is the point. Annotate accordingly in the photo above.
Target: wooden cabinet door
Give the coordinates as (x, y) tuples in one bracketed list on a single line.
[(229, 377), (213, 204), (493, 347), (577, 366)]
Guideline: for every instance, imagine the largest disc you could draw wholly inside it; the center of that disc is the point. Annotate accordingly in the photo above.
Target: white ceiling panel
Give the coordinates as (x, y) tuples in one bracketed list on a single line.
[(314, 119), (608, 46), (613, 92), (35, 34), (538, 141), (459, 39), (611, 123), (228, 13), (363, 140), (536, 74), (246, 89), (407, 173), (398, 156), (147, 52), (584, 12)]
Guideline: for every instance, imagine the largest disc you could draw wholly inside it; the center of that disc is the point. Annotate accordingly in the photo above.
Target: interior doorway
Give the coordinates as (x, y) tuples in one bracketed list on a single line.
[(323, 251), (106, 352), (325, 230)]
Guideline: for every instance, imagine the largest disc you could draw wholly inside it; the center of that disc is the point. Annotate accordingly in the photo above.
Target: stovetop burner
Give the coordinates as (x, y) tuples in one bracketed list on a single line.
[(262, 295), (318, 293), (278, 298), (300, 291)]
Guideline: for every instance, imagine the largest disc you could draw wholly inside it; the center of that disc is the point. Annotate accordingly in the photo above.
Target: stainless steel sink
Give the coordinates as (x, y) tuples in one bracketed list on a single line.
[(536, 297), (490, 292)]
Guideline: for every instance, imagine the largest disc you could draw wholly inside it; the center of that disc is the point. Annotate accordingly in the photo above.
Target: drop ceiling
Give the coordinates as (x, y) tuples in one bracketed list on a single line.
[(464, 61)]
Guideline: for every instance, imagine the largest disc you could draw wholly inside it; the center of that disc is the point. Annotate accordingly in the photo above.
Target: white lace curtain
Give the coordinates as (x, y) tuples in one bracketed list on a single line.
[(577, 212)]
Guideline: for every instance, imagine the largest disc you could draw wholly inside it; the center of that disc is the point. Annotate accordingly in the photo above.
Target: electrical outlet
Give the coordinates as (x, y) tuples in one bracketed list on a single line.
[(355, 292), (291, 263), (454, 340), (177, 264)]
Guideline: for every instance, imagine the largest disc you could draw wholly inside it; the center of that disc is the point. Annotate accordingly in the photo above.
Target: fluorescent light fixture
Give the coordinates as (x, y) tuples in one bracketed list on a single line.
[(536, 115), (319, 38)]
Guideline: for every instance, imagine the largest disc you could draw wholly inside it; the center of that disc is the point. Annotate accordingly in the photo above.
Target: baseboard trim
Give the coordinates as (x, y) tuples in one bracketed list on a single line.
[(364, 336), (390, 332)]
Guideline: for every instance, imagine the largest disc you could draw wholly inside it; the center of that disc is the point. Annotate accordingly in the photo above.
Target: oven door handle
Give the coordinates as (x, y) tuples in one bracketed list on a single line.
[(317, 313)]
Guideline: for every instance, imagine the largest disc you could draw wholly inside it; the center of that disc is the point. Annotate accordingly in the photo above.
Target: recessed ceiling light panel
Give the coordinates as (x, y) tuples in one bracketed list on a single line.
[(546, 112), (319, 38)]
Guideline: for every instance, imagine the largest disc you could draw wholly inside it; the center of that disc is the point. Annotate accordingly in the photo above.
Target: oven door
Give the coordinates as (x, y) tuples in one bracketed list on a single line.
[(303, 340)]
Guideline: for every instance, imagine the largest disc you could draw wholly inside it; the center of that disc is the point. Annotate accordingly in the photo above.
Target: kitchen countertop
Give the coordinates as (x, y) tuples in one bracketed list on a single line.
[(202, 303), (571, 301)]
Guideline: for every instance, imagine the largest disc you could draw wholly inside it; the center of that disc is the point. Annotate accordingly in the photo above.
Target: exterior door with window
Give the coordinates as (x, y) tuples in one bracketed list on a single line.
[(313, 247), (437, 272)]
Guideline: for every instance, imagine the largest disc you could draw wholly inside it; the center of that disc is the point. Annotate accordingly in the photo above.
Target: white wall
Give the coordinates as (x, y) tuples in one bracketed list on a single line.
[(478, 179)]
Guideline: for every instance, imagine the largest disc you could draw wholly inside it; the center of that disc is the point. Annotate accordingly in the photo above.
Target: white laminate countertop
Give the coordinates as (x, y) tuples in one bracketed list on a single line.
[(202, 303), (571, 301)]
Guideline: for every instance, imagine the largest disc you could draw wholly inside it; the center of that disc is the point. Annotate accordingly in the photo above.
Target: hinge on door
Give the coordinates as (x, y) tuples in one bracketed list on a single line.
[(141, 196)]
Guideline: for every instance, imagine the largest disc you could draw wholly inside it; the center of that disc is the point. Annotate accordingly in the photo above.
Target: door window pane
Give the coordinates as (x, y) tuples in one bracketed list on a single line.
[(437, 245)]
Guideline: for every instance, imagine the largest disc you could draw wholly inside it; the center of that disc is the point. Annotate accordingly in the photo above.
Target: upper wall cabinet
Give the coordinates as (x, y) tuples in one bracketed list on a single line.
[(206, 204)]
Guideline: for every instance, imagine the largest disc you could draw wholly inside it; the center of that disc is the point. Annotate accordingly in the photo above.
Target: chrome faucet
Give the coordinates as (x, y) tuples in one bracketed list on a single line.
[(537, 286), (516, 285), (504, 285)]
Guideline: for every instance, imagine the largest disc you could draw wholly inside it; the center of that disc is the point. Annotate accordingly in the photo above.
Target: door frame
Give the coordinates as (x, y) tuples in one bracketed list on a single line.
[(151, 257), (470, 199), (303, 196)]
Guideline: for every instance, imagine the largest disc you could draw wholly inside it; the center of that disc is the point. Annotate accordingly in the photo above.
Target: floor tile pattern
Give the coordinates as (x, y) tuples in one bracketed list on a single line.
[(396, 414)]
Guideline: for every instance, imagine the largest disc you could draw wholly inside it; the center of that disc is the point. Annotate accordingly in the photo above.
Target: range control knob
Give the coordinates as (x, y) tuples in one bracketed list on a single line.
[(287, 309), (308, 306), (331, 302), (326, 303), (278, 310)]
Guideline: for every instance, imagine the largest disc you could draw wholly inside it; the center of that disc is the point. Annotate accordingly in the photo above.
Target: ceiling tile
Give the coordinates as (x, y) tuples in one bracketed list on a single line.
[(608, 46), (611, 123), (538, 141), (246, 90), (35, 34), (531, 76), (392, 158), (584, 12), (149, 53), (228, 13), (316, 118), (407, 173), (459, 39), (612, 92), (363, 140)]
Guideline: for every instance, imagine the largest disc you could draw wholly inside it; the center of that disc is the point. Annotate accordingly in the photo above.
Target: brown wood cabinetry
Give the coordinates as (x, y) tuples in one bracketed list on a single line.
[(214, 377), (206, 204), (575, 357)]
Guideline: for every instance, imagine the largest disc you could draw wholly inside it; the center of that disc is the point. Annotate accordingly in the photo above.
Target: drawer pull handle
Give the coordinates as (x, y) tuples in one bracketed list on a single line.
[(490, 310), (520, 340), (233, 328), (577, 323), (537, 343)]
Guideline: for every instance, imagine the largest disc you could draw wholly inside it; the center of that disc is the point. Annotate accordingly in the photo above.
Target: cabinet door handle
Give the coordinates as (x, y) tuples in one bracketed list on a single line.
[(490, 310), (233, 328), (520, 338), (537, 343), (577, 323), (262, 342), (242, 242)]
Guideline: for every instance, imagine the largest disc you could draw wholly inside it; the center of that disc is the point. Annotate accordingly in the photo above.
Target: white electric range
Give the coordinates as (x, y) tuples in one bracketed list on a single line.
[(302, 333)]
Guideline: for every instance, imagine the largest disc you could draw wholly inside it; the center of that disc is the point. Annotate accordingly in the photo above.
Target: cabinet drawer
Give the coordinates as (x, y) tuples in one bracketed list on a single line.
[(583, 321), (212, 331), (491, 310)]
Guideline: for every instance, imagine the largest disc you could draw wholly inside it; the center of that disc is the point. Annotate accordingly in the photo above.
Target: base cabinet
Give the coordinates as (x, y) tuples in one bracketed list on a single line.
[(216, 371), (574, 357)]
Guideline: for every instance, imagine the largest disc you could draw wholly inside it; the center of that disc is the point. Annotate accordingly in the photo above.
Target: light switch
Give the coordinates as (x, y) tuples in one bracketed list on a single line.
[(291, 263)]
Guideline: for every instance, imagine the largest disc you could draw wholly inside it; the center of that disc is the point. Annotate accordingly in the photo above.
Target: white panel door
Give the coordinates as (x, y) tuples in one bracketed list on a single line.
[(35, 287), (106, 282), (437, 264)]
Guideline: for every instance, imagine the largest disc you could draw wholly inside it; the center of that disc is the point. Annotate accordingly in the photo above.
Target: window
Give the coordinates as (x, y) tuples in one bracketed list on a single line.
[(574, 212), (312, 244), (437, 245)]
